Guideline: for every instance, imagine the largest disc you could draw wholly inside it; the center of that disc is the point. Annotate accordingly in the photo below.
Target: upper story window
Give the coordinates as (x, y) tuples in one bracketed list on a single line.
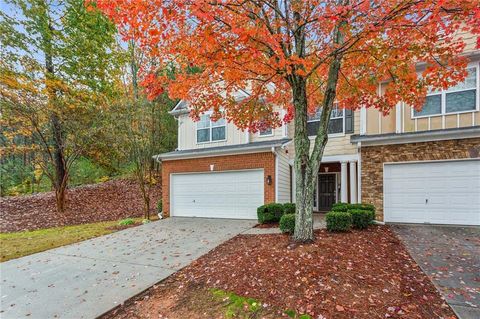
[(460, 98), (210, 131), (336, 125), (266, 132)]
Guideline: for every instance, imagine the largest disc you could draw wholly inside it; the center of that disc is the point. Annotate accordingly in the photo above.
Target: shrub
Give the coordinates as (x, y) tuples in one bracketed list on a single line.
[(362, 206), (269, 213), (338, 221), (126, 221), (287, 223), (340, 207), (289, 208), (360, 218)]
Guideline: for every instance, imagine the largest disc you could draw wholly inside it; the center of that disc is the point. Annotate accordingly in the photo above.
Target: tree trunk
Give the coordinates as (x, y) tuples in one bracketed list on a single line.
[(303, 174), (61, 174), (59, 162)]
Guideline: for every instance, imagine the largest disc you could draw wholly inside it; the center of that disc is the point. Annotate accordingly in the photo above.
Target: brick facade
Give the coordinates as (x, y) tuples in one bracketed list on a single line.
[(221, 163), (373, 158)]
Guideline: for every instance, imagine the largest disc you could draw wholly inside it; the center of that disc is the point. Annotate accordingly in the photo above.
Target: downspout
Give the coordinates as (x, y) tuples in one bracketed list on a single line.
[(359, 172), (276, 173)]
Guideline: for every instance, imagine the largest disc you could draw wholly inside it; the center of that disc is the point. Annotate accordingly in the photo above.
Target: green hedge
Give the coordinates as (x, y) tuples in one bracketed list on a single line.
[(270, 213), (338, 221), (287, 223), (289, 208), (340, 207), (345, 207), (360, 218)]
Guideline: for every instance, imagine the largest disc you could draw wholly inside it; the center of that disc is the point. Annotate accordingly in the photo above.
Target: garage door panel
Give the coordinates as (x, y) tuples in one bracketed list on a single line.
[(443, 192), (228, 194)]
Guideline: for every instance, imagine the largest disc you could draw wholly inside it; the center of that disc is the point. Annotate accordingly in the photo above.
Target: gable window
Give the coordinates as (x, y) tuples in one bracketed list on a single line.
[(460, 98), (210, 131), (336, 125)]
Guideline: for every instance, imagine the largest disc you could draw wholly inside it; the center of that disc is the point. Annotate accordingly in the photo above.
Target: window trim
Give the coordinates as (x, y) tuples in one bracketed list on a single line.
[(443, 98), (209, 130), (266, 135), (341, 134)]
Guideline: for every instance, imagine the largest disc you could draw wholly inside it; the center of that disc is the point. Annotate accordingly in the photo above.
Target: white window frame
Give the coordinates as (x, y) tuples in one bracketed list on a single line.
[(209, 130), (265, 135), (443, 98), (332, 118)]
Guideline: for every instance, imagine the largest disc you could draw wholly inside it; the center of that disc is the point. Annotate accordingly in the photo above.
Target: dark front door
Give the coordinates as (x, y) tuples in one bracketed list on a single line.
[(326, 191)]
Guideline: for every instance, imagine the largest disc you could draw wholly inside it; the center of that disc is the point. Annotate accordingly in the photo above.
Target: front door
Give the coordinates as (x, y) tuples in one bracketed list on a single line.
[(326, 191)]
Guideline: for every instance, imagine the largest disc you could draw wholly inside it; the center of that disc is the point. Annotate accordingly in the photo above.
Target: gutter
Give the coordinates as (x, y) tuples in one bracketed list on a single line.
[(415, 137), (214, 152)]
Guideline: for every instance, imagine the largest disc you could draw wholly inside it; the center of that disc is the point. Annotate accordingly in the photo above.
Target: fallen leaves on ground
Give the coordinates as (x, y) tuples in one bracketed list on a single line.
[(361, 274), (111, 200)]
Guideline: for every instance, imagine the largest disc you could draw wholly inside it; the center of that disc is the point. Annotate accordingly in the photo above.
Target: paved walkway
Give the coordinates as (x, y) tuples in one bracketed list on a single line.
[(450, 256), (86, 279)]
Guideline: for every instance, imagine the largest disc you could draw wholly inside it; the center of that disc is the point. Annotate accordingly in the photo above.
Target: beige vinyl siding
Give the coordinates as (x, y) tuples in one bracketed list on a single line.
[(283, 182), (336, 145), (438, 122), (373, 125), (187, 135), (470, 41), (277, 134)]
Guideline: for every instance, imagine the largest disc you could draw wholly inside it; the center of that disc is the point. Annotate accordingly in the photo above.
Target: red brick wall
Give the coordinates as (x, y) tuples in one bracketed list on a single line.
[(221, 163), (373, 158)]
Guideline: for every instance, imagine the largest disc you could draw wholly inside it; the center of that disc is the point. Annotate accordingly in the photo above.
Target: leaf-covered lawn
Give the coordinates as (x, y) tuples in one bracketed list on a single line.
[(14, 245), (361, 274)]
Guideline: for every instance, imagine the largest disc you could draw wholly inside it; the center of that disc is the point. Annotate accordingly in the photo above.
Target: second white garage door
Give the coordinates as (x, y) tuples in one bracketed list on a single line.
[(235, 194), (438, 192)]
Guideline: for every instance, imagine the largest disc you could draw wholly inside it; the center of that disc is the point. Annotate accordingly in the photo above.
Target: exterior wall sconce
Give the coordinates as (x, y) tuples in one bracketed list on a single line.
[(326, 169), (269, 180)]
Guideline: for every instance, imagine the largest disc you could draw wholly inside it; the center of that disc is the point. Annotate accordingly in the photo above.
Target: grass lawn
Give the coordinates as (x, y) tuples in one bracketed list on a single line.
[(359, 274), (18, 244)]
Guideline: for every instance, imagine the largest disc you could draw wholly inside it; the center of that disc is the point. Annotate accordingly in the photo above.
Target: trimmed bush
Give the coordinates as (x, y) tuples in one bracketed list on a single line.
[(338, 221), (360, 218), (340, 207), (287, 223), (362, 206), (269, 213), (289, 208), (344, 207)]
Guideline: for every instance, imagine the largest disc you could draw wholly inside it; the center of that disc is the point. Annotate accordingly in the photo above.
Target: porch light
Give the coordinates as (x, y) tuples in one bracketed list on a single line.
[(269, 180)]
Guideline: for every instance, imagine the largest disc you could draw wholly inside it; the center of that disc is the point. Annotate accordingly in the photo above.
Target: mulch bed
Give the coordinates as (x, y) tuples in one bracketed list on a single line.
[(112, 200), (267, 225), (361, 274)]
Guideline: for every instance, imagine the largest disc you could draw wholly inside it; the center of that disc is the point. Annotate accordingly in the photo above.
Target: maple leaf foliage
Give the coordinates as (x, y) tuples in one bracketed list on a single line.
[(251, 46)]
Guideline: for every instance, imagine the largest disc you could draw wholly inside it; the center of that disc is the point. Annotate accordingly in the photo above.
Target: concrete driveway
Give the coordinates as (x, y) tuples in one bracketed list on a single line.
[(450, 256), (86, 279)]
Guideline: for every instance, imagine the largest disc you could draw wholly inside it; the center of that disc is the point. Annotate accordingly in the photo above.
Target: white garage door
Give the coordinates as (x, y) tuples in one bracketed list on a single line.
[(217, 194), (439, 192)]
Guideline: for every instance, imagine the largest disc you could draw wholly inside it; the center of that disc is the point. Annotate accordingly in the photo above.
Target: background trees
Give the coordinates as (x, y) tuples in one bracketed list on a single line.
[(301, 55), (63, 76)]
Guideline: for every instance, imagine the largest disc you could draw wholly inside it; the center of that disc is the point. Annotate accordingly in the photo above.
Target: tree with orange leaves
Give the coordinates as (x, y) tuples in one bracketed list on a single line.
[(298, 55)]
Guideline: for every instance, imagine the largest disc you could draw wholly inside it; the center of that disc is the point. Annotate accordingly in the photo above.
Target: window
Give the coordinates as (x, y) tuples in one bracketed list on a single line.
[(336, 125), (460, 98), (210, 131), (266, 132)]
